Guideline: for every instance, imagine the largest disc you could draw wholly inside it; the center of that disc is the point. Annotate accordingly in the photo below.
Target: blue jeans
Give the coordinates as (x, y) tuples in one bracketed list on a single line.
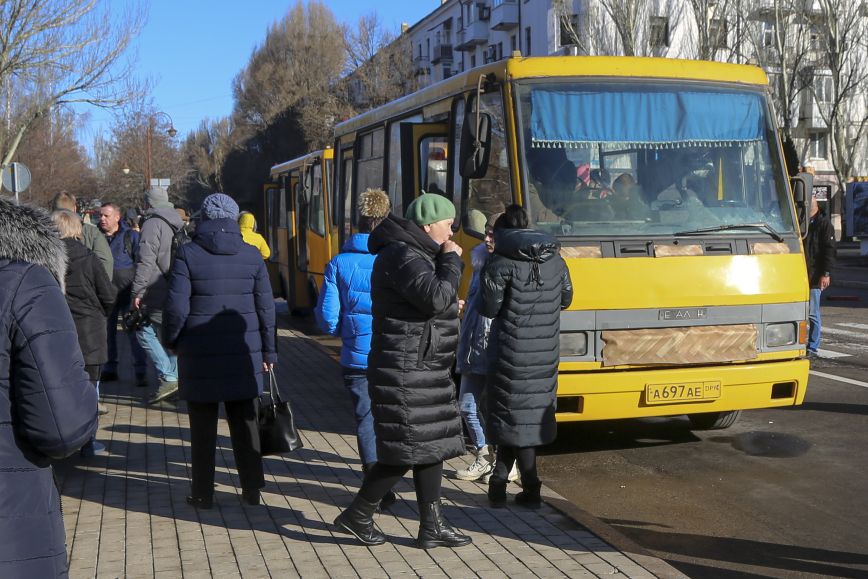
[(121, 307), (356, 382), (468, 403), (814, 321), (166, 365)]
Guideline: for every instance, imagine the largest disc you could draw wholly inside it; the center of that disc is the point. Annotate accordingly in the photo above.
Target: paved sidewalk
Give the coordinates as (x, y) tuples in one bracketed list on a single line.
[(126, 516)]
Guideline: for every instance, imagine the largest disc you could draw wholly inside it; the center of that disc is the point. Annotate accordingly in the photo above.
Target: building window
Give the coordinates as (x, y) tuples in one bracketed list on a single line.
[(513, 44), (473, 60), (717, 33), (823, 89), (527, 41), (767, 34), (818, 145), (499, 50), (569, 29), (658, 31)]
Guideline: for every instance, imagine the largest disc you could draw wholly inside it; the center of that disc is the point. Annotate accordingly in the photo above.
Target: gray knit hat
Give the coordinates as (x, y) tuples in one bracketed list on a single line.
[(219, 206)]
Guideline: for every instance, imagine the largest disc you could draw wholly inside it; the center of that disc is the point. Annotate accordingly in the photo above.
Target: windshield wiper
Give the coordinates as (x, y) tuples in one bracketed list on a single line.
[(764, 227)]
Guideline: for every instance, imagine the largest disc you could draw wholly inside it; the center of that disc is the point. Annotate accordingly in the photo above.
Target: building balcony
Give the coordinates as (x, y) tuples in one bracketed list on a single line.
[(504, 15), (420, 65), (473, 35), (442, 53)]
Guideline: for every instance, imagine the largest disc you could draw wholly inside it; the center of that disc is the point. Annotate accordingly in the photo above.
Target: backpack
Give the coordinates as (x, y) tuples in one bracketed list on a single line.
[(180, 236)]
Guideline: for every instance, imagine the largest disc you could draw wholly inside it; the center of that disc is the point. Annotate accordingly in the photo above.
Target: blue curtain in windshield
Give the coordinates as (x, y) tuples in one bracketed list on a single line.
[(571, 118)]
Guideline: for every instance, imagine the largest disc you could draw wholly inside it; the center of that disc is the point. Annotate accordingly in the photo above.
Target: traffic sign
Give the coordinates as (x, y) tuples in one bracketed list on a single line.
[(16, 178)]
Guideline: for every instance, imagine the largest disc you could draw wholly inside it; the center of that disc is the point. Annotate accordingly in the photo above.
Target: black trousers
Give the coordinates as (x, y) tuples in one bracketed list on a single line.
[(507, 456), (243, 429), (380, 479)]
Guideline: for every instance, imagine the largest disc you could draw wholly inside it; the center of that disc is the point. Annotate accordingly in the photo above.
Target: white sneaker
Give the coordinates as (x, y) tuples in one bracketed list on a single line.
[(514, 475), (478, 469)]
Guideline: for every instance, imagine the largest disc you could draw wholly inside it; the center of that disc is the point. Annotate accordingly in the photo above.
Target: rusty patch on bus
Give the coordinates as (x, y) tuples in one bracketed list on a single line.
[(666, 250), (769, 248), (592, 251)]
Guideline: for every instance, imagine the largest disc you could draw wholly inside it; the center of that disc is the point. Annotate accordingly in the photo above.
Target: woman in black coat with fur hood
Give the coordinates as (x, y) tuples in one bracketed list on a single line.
[(414, 294), (525, 286)]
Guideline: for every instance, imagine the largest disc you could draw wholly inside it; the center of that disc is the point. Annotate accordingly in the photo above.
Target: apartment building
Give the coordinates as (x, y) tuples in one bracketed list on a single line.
[(462, 34)]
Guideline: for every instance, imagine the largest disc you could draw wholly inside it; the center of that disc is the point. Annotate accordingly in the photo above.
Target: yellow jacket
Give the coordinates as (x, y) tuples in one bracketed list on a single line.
[(247, 222)]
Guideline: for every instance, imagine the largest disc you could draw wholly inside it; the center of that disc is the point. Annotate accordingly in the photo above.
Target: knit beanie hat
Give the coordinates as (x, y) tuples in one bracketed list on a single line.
[(157, 196), (430, 208), (374, 203), (219, 206)]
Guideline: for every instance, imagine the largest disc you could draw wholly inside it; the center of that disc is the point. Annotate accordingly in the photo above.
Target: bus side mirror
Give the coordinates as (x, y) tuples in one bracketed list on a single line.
[(801, 185), (475, 146)]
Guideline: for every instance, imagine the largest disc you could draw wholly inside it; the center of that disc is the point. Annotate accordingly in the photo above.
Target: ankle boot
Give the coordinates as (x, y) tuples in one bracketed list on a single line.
[(530, 495), (358, 520), (497, 493), (435, 530)]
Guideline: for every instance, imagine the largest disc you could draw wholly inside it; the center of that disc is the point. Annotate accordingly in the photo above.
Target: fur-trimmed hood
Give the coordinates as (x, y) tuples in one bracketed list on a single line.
[(28, 234)]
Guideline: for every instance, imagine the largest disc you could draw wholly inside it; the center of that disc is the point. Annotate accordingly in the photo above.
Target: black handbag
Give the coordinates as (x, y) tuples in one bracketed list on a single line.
[(277, 432)]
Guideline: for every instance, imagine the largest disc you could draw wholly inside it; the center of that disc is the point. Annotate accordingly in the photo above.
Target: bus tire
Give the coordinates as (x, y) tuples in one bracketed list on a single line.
[(713, 420)]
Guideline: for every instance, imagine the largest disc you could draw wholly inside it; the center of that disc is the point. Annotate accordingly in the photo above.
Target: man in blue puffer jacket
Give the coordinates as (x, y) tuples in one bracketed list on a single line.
[(344, 309), (47, 403)]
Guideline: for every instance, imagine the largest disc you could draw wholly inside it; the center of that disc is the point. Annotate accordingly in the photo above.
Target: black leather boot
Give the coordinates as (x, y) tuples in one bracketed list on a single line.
[(435, 530), (497, 493), (358, 520), (530, 495)]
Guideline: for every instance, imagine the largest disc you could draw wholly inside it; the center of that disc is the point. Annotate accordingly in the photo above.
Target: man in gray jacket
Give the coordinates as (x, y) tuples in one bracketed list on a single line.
[(151, 284)]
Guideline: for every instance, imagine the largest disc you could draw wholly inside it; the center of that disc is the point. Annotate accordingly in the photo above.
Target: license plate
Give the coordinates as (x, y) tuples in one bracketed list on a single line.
[(681, 392)]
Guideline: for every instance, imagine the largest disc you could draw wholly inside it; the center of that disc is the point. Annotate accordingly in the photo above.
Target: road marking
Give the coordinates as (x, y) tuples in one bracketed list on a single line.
[(855, 326), (848, 333), (840, 379), (830, 354)]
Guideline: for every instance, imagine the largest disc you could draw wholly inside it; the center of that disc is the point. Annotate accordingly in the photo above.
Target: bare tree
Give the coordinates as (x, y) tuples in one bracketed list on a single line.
[(627, 16), (779, 37), (205, 151), (57, 52), (842, 29), (719, 33), (379, 64)]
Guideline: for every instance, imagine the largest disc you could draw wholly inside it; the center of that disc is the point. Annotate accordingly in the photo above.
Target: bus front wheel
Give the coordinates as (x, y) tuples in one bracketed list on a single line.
[(713, 420)]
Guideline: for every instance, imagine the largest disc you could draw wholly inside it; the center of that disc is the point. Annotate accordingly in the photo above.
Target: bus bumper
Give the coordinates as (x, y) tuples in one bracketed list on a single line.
[(604, 395)]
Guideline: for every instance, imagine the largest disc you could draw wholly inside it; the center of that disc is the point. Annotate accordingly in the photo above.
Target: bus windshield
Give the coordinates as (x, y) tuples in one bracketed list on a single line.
[(646, 158)]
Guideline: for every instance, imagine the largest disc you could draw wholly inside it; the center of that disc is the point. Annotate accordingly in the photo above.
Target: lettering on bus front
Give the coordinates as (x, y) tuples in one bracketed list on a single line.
[(683, 314)]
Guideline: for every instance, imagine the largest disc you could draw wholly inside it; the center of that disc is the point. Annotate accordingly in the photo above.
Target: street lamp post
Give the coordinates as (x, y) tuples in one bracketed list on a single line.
[(152, 124)]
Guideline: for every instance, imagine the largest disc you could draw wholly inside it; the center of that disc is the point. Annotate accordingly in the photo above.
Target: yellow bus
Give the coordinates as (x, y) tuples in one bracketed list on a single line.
[(298, 227), (664, 182)]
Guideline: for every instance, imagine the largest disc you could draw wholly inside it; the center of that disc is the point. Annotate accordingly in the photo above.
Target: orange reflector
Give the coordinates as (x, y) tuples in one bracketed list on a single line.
[(803, 332)]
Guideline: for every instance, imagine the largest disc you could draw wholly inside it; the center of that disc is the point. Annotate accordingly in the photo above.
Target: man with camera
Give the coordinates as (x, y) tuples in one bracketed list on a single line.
[(150, 285), (124, 245)]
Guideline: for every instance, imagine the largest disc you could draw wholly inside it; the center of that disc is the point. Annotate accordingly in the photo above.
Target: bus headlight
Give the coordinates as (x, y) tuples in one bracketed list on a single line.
[(574, 344), (780, 335)]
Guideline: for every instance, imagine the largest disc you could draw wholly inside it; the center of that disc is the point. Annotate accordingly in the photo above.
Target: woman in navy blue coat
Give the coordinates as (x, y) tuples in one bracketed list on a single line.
[(219, 319), (47, 404)]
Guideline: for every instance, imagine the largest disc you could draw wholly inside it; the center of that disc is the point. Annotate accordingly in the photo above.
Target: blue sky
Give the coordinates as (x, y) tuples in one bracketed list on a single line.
[(192, 49)]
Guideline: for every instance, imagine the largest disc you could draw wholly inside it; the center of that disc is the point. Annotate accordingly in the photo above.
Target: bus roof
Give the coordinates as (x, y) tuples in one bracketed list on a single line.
[(327, 153), (517, 67)]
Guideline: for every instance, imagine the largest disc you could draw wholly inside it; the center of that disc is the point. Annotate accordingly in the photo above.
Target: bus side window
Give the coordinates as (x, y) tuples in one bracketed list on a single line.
[(493, 192), (316, 213), (454, 155), (432, 164), (369, 164)]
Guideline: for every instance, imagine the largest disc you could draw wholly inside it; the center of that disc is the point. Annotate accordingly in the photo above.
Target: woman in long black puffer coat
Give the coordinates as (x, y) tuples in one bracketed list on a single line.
[(414, 287), (525, 286)]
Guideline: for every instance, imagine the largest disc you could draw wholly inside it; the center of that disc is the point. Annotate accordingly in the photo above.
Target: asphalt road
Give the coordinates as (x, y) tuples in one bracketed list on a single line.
[(782, 493)]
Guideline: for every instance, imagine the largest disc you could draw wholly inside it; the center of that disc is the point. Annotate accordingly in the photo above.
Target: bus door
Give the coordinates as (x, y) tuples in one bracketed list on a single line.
[(297, 263), (425, 148), (318, 227), (343, 210), (271, 230)]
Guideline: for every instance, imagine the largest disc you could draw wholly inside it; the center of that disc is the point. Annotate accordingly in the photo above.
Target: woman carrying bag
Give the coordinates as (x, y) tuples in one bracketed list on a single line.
[(219, 319)]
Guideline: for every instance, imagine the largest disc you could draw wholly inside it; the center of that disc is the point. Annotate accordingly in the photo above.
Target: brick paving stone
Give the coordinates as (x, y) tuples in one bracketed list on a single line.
[(125, 514)]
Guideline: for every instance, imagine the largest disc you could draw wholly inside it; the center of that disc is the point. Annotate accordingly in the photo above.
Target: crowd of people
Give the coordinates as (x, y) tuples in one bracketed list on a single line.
[(203, 314)]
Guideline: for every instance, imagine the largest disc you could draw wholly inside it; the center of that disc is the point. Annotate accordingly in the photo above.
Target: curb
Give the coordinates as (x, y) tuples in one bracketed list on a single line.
[(604, 531)]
